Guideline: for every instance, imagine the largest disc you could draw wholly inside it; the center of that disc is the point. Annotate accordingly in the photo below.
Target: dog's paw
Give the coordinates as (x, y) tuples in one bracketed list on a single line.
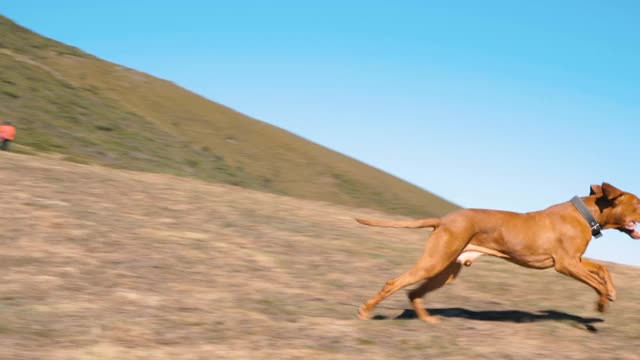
[(363, 313), (431, 319), (602, 305)]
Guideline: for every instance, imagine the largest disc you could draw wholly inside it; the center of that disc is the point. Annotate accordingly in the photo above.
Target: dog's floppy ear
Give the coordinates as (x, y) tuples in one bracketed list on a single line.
[(595, 190), (610, 191)]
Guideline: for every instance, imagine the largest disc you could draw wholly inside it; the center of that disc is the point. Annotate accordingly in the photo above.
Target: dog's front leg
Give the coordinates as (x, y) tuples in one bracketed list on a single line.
[(576, 269), (604, 275)]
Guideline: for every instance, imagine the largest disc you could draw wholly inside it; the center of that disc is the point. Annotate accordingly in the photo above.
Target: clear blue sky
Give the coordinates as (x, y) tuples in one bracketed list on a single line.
[(495, 104)]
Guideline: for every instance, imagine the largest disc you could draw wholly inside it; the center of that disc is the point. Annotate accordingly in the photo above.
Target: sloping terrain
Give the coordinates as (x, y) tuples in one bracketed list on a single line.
[(92, 111), (99, 263)]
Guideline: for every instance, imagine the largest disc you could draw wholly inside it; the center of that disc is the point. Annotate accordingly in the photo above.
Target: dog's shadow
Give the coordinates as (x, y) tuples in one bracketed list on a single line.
[(515, 316)]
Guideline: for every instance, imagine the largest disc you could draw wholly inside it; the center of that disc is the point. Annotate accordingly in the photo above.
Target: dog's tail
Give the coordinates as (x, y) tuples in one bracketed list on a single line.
[(412, 224)]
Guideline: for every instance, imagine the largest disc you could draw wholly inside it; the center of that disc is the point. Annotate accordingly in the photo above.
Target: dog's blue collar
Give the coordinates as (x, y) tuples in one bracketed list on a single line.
[(596, 230)]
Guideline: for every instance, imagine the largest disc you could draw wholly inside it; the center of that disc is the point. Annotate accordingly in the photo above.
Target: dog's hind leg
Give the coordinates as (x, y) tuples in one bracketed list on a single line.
[(441, 249), (410, 277), (416, 295)]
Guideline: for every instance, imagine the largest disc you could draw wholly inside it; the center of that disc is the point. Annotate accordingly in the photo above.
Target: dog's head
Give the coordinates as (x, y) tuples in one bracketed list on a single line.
[(620, 209)]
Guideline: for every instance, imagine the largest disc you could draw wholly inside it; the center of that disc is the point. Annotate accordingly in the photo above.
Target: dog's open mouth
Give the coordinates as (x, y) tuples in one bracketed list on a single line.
[(632, 230)]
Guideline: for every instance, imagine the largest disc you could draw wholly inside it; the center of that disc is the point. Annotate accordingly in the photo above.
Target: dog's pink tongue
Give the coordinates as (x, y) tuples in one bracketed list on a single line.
[(633, 226)]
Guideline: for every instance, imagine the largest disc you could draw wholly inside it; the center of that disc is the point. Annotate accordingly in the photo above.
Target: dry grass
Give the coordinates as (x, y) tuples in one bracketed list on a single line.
[(106, 264), (93, 111)]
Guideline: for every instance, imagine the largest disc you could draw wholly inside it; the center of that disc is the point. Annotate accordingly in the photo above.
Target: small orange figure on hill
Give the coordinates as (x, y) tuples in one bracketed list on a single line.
[(7, 134)]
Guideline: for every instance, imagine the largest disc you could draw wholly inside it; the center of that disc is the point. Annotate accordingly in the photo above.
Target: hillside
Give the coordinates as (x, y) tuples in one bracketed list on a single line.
[(99, 263), (92, 111)]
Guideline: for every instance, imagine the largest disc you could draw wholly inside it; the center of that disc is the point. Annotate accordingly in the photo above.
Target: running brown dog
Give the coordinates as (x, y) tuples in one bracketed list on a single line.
[(555, 237)]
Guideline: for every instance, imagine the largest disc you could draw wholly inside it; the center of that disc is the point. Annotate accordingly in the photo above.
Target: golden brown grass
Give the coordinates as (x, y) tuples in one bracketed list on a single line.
[(110, 264)]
